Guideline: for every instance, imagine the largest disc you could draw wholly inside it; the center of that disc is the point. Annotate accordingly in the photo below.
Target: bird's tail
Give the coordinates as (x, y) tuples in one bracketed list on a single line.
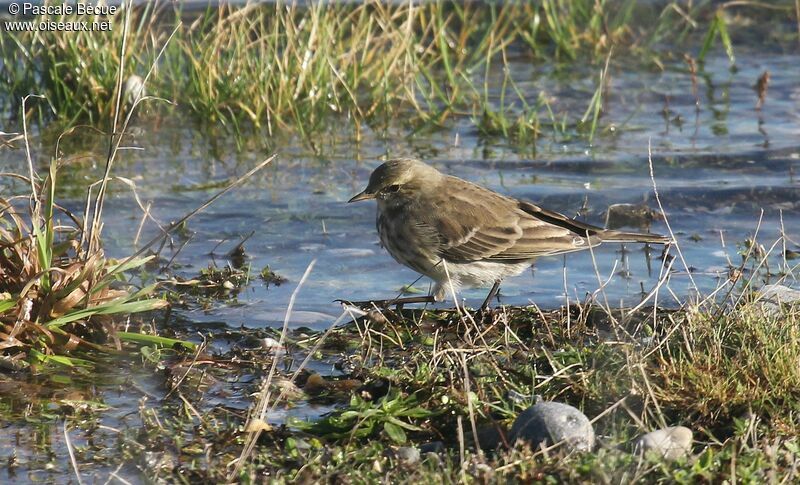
[(619, 236)]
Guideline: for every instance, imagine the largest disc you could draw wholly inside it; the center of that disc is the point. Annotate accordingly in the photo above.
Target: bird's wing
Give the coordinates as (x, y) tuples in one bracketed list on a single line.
[(480, 225)]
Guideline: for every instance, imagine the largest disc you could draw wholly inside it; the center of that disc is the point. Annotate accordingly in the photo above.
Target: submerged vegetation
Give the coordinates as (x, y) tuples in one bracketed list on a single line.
[(290, 68)]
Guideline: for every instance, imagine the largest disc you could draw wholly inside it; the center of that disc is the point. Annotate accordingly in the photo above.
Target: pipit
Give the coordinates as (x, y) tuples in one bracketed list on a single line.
[(460, 234)]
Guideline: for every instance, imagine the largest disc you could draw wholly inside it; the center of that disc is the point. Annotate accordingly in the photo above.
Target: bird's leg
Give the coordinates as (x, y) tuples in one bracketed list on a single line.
[(492, 294)]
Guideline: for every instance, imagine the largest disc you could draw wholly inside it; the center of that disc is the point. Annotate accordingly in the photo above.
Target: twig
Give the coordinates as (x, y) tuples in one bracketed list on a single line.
[(114, 147), (114, 475), (141, 224), (452, 289), (200, 208), (609, 409), (460, 428), (31, 171), (200, 348)]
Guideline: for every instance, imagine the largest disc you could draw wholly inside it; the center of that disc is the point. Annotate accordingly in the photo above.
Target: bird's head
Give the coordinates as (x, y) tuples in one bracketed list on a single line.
[(398, 179)]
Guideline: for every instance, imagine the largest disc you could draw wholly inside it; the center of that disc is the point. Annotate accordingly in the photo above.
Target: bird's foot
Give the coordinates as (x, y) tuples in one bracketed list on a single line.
[(397, 302)]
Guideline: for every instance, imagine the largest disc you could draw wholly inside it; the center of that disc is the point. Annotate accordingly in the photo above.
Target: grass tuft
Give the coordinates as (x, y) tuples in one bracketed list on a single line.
[(295, 68)]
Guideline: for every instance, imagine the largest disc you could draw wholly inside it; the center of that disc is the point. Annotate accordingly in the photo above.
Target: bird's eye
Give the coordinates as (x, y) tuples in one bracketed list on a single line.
[(392, 188)]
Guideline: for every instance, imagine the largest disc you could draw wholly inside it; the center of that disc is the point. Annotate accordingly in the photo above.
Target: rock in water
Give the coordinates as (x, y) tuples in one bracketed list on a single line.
[(773, 296), (670, 443), (553, 422)]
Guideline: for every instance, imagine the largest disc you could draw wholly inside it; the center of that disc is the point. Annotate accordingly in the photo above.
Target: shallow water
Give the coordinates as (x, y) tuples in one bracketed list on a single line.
[(717, 168), (715, 173)]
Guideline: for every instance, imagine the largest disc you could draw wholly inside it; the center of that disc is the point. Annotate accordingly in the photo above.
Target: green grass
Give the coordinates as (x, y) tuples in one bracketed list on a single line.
[(57, 290), (428, 377), (725, 368), (59, 293), (287, 69)]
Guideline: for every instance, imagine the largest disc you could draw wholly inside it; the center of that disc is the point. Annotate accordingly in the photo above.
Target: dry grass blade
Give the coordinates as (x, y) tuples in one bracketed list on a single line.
[(71, 452), (175, 225), (258, 413)]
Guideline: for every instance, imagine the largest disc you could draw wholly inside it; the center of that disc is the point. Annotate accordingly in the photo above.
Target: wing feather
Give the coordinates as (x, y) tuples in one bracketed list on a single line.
[(476, 224)]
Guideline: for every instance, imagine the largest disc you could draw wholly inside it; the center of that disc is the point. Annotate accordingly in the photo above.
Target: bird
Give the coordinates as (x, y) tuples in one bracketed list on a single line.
[(463, 235)]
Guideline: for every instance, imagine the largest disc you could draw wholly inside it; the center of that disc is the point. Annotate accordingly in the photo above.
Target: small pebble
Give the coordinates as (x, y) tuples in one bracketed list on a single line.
[(408, 455), (270, 343), (134, 89), (549, 423), (670, 443)]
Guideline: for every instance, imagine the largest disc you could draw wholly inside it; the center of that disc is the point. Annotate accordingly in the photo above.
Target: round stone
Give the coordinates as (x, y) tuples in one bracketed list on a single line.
[(408, 455), (552, 423), (670, 443)]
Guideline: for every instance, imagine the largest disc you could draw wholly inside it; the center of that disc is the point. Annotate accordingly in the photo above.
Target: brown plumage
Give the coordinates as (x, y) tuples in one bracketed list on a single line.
[(461, 234)]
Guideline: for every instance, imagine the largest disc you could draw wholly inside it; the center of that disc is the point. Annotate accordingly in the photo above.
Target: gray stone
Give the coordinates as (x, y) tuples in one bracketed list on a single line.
[(549, 423), (670, 443), (408, 455), (773, 296)]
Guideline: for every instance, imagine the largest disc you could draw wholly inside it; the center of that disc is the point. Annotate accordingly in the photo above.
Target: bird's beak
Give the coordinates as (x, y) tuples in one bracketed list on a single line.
[(361, 196)]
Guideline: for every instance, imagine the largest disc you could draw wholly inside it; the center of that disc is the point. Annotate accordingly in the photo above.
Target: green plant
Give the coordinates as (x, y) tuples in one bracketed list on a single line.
[(363, 418), (57, 292)]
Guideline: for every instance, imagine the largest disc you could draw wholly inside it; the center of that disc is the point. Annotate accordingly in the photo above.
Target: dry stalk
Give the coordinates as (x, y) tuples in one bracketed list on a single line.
[(73, 461), (259, 412)]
